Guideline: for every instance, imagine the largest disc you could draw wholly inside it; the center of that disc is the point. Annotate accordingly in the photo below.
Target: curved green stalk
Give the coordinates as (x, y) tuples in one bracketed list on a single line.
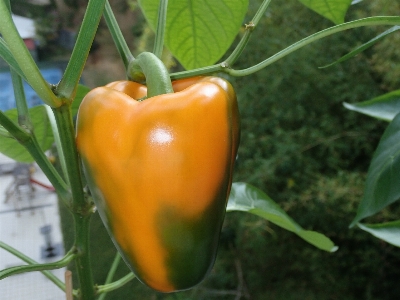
[(69, 82), (371, 21), (39, 267), (117, 36), (29, 260), (160, 31), (149, 68), (111, 273), (116, 284), (24, 59), (222, 67), (246, 36)]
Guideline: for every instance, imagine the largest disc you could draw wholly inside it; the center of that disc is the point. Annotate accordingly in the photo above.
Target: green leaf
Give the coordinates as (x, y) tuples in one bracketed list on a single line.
[(334, 10), (388, 232), (384, 107), (198, 32), (245, 197), (363, 46), (382, 186), (11, 148)]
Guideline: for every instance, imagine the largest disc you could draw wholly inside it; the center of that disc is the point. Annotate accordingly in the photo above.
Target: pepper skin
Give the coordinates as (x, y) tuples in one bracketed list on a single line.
[(160, 171)]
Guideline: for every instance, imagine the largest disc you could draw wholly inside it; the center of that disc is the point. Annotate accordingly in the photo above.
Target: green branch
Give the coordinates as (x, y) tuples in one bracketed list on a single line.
[(38, 267), (372, 21), (116, 284), (69, 256), (111, 273), (222, 67), (246, 36), (117, 36), (69, 82), (160, 31), (24, 119)]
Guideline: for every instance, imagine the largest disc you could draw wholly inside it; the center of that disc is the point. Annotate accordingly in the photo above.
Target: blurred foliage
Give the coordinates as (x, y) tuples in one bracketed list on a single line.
[(302, 147)]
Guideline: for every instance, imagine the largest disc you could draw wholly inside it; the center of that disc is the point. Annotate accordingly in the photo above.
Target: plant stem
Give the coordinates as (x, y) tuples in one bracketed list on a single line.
[(117, 36), (30, 143), (24, 59), (111, 273), (67, 86), (222, 67), (150, 68), (29, 260), (249, 30), (116, 284), (22, 107), (160, 31), (80, 204), (83, 266), (200, 71), (39, 267), (371, 21), (57, 142)]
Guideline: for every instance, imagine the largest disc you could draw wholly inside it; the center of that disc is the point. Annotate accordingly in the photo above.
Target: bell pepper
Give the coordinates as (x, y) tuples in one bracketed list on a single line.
[(160, 172)]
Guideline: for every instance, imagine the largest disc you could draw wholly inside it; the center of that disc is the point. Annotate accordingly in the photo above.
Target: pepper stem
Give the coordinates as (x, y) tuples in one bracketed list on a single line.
[(148, 68)]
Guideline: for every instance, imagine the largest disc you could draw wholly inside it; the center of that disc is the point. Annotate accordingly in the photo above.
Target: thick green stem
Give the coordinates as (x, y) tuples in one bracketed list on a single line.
[(67, 87), (80, 204), (117, 36), (160, 31), (149, 68), (83, 266)]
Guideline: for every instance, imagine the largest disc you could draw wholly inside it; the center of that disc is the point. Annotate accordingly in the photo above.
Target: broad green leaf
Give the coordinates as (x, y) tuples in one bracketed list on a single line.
[(334, 10), (382, 186), (42, 129), (198, 32), (389, 232), (245, 197), (363, 46), (384, 107)]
